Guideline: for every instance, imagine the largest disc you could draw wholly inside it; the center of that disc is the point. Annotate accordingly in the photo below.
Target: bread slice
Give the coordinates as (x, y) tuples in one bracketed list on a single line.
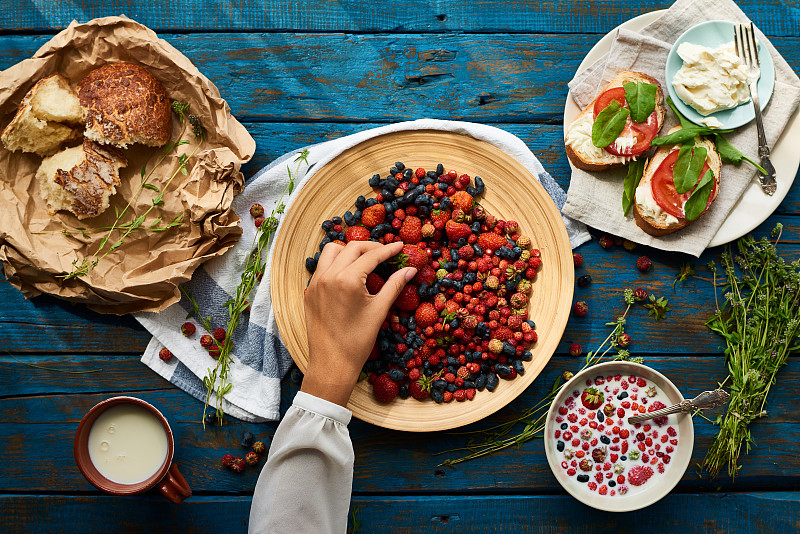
[(578, 140), (80, 179), (37, 127), (648, 215), (125, 105)]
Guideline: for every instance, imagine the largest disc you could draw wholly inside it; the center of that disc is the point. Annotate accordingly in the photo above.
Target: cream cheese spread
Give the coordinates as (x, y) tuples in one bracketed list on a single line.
[(579, 137), (649, 208), (711, 79)]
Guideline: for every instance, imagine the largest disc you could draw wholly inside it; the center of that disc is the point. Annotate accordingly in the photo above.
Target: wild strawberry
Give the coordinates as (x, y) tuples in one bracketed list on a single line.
[(657, 405), (258, 221), (466, 252), (456, 231), (624, 340), (491, 241), (374, 283), (643, 263), (206, 341), (639, 474), (356, 233), (577, 259), (165, 354), (592, 398), (641, 382), (188, 329), (496, 346), (575, 349), (447, 396), (427, 230), (671, 431), (238, 465), (424, 275), (214, 351), (585, 464), (251, 458), (219, 334), (411, 231), (259, 447), (408, 300), (426, 315), (606, 241), (373, 215), (640, 295), (460, 395), (462, 200), (256, 210), (580, 308), (227, 460), (385, 389)]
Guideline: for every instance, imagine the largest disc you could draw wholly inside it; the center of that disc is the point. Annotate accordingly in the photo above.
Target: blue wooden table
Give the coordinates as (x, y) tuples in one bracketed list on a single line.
[(299, 72)]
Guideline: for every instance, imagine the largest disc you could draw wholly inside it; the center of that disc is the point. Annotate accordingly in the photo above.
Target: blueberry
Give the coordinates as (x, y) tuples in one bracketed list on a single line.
[(600, 417), (526, 356), (444, 203), (491, 381), (375, 181), (403, 393), (560, 446), (584, 280), (247, 440), (442, 187), (327, 225), (311, 265), (407, 174), (623, 457), (361, 202), (332, 234), (371, 202), (349, 219), (623, 395), (605, 439), (399, 165), (439, 384), (479, 185), (210, 418), (325, 241), (611, 483), (357, 214), (472, 191), (437, 396), (476, 229), (396, 375), (502, 369), (439, 169), (582, 478), (451, 388), (336, 220), (519, 367)]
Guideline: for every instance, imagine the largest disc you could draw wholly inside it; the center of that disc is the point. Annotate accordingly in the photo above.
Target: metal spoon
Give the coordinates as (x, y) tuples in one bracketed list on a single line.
[(707, 399)]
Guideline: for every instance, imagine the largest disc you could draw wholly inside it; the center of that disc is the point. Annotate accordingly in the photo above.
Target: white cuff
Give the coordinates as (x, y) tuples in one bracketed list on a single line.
[(322, 407)]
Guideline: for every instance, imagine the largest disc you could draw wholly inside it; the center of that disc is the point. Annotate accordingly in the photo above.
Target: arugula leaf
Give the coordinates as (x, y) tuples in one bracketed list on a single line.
[(686, 174), (641, 99), (609, 124), (696, 204), (680, 136), (632, 178), (730, 154)]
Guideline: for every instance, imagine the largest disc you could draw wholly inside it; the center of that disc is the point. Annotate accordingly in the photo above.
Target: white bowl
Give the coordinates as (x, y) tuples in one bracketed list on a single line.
[(649, 494)]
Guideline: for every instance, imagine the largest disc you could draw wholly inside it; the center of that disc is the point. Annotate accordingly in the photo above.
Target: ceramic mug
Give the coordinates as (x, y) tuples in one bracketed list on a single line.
[(167, 478)]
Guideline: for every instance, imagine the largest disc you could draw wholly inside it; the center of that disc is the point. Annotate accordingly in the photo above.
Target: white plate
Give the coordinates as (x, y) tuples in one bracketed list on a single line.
[(754, 206)]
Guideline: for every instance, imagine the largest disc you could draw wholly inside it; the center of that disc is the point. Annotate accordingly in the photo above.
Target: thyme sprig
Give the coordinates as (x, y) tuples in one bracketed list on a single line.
[(758, 319), (498, 437), (138, 223), (218, 378)]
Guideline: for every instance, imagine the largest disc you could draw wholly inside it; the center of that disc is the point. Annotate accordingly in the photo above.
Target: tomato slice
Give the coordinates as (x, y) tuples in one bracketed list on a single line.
[(641, 133), (663, 187)]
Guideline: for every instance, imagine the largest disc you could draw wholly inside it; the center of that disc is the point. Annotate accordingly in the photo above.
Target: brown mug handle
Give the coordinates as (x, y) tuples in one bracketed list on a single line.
[(173, 486)]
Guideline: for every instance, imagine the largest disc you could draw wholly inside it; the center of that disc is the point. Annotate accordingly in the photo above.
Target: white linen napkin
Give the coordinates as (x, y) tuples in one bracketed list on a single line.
[(260, 359), (596, 198)]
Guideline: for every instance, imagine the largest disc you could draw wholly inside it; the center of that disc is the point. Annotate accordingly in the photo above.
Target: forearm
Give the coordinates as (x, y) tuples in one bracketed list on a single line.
[(306, 483)]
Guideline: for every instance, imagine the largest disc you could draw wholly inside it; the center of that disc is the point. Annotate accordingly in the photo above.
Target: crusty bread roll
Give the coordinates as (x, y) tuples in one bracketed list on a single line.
[(80, 179), (125, 104), (37, 126), (578, 139), (648, 215)]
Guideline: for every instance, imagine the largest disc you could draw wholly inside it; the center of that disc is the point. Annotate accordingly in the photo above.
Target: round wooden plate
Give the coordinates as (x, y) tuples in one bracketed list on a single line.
[(512, 192)]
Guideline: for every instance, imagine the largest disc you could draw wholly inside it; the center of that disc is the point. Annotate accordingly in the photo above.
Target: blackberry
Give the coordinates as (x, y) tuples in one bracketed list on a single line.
[(584, 280), (582, 478), (560, 446)]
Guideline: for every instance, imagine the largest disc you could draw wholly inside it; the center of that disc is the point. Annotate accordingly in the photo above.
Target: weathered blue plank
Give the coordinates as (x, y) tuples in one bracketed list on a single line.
[(765, 513), (511, 78), (773, 17), (385, 460)]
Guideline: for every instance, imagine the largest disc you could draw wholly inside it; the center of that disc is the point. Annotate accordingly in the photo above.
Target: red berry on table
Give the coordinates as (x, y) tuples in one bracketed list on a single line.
[(238, 465), (580, 308), (257, 210), (188, 329), (251, 458), (624, 340), (165, 354), (214, 352), (219, 334), (644, 264), (385, 389), (206, 341), (606, 241), (259, 447), (577, 259), (575, 349), (227, 460), (640, 294), (259, 221)]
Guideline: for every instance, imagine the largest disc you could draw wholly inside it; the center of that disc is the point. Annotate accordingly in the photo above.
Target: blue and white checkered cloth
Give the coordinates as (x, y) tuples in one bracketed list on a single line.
[(259, 358)]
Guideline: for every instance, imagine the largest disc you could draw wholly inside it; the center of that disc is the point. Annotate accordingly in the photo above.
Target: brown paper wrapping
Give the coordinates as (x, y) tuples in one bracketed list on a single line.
[(145, 272)]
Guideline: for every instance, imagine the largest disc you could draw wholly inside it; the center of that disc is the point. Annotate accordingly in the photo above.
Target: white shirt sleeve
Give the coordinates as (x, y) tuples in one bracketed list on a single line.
[(305, 485)]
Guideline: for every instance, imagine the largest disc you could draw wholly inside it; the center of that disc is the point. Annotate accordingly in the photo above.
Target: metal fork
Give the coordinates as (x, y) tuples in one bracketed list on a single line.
[(747, 50)]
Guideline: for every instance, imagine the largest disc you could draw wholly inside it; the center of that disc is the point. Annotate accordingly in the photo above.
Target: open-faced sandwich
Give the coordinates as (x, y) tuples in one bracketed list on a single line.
[(678, 185), (618, 125)]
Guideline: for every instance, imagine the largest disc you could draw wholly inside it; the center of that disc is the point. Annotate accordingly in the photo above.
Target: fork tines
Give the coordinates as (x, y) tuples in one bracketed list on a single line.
[(746, 47)]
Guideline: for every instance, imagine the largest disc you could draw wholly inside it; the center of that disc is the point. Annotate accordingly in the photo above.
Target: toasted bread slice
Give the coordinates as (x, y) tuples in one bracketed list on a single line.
[(578, 140), (649, 216)]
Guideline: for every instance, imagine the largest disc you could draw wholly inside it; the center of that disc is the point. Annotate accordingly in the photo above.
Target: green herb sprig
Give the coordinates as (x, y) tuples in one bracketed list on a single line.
[(758, 319), (127, 228), (218, 378)]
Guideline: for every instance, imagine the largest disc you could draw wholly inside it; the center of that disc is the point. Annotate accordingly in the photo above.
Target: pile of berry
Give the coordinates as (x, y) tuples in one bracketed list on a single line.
[(600, 449), (237, 464), (462, 322)]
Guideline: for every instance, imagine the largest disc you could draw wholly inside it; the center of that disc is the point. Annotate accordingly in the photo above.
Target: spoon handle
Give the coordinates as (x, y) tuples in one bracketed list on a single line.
[(707, 399)]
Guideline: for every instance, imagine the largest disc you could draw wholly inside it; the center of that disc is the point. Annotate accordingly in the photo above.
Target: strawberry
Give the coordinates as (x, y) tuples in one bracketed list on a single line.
[(165, 354), (411, 256), (408, 299), (460, 395), (373, 215), (206, 341), (591, 398), (188, 329), (219, 334), (456, 231), (657, 405), (374, 283), (420, 389), (491, 241), (639, 474), (356, 233), (411, 231), (426, 315), (439, 218), (462, 200), (385, 389), (424, 275)]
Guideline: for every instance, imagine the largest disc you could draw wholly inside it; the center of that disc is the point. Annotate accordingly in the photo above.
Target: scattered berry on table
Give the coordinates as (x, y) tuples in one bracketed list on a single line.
[(606, 241), (580, 308), (206, 341), (640, 294), (644, 264), (257, 210), (214, 351), (251, 458), (219, 334), (247, 439), (188, 329), (259, 447), (165, 354), (258, 221), (210, 418), (238, 465), (584, 280), (575, 349), (227, 460), (577, 259), (624, 340)]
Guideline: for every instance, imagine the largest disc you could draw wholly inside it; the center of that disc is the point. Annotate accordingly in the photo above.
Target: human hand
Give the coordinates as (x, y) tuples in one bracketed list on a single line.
[(342, 318)]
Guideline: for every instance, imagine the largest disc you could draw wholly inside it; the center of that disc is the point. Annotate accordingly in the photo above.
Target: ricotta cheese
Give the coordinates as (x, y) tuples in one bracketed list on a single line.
[(579, 137), (711, 79)]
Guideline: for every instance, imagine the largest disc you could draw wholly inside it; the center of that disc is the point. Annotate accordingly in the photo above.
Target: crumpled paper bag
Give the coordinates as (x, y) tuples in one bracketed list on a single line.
[(145, 272)]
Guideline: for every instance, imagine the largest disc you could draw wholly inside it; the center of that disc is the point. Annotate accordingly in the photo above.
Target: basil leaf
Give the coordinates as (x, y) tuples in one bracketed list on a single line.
[(680, 136), (686, 174), (635, 172), (685, 123), (730, 154), (696, 204), (641, 99), (609, 124)]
